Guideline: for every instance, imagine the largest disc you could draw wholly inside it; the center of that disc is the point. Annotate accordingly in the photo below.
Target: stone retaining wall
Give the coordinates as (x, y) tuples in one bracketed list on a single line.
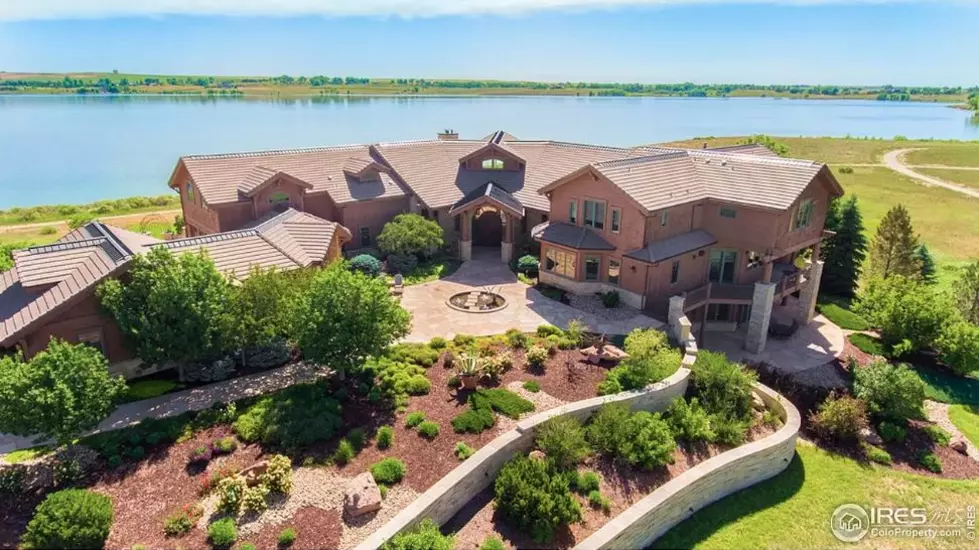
[(703, 484), (444, 499)]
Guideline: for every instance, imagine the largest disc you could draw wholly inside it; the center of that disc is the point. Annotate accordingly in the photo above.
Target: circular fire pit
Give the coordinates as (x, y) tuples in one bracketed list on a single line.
[(477, 301)]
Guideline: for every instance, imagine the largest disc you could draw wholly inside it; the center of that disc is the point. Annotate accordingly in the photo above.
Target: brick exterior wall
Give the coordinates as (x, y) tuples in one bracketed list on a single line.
[(371, 215), (82, 317)]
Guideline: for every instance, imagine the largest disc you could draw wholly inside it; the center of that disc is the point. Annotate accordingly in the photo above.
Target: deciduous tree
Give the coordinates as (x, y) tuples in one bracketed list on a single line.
[(892, 251), (776, 147), (411, 235), (966, 292), (263, 305), (60, 393), (845, 252)]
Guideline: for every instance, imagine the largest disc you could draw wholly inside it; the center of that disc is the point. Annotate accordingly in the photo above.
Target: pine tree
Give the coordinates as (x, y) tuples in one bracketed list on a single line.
[(892, 252), (927, 262), (845, 252), (966, 292)]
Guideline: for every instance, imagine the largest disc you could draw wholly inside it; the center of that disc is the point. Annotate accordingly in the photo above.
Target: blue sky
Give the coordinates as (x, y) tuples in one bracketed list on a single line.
[(857, 42)]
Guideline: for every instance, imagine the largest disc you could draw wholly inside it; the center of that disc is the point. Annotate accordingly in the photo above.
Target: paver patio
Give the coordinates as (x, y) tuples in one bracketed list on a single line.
[(526, 308)]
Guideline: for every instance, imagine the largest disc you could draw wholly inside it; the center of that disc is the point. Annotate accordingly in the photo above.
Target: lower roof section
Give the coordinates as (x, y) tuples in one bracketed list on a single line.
[(570, 236), (672, 247)]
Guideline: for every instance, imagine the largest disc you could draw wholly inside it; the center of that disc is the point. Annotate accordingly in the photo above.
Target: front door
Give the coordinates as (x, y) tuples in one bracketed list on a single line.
[(723, 264)]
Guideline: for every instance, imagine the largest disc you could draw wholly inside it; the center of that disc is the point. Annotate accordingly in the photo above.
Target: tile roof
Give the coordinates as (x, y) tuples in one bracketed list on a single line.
[(46, 278), (218, 177), (672, 247), (491, 191), (571, 236)]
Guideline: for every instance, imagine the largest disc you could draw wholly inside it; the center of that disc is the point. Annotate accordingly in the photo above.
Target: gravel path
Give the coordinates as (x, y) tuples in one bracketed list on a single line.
[(895, 161), (938, 413)]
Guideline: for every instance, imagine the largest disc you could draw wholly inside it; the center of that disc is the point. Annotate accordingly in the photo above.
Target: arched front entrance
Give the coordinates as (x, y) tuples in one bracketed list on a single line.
[(487, 227)]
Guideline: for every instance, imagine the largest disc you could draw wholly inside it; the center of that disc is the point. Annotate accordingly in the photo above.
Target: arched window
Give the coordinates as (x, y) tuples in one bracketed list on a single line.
[(492, 164), (278, 198)]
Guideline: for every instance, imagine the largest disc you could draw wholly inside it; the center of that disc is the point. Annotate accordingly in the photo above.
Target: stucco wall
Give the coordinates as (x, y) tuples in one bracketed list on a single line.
[(630, 236), (321, 205), (234, 216), (707, 482), (444, 499), (261, 202)]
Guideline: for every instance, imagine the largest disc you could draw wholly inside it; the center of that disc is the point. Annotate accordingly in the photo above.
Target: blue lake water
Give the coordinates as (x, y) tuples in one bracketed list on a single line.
[(72, 149)]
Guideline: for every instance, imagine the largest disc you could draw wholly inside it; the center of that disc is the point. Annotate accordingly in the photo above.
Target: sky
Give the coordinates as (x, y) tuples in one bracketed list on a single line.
[(651, 41)]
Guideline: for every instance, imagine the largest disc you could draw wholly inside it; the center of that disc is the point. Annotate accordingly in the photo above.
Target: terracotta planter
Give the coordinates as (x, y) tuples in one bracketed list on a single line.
[(468, 382)]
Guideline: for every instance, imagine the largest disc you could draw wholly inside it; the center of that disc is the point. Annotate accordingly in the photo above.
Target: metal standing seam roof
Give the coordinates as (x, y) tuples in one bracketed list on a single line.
[(570, 236), (672, 247)]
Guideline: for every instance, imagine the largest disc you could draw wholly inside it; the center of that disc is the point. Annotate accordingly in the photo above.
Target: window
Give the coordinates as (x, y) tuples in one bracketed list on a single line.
[(593, 266), (560, 262), (435, 215), (613, 271), (753, 260), (492, 164), (278, 198), (803, 216), (616, 222), (728, 212), (675, 272), (190, 191), (722, 266), (595, 214), (365, 236), (457, 223), (93, 338), (573, 212), (663, 217)]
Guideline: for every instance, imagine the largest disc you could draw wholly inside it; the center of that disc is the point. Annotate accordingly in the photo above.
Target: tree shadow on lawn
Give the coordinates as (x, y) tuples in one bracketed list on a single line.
[(706, 522), (943, 385)]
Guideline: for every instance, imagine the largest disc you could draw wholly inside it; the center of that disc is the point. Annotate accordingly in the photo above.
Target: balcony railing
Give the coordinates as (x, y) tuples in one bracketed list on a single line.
[(695, 298), (713, 293)]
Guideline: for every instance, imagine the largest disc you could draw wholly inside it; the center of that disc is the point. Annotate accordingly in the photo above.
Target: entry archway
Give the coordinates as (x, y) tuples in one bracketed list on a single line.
[(487, 228)]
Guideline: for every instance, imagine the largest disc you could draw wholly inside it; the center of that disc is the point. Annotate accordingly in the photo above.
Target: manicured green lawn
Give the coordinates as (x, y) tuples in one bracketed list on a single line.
[(26, 454), (145, 389), (966, 418), (838, 312), (948, 388), (793, 509), (431, 271), (867, 344), (948, 154)]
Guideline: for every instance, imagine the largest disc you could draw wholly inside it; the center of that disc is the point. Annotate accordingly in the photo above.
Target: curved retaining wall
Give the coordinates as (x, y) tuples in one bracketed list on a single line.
[(703, 484), (453, 491)]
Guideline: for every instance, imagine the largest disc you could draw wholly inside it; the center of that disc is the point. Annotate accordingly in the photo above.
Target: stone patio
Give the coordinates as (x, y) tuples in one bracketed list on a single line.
[(526, 308)]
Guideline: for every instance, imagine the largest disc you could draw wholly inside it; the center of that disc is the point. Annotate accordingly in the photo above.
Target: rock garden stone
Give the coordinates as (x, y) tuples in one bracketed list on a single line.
[(253, 474), (362, 496), (870, 436), (537, 455), (959, 445)]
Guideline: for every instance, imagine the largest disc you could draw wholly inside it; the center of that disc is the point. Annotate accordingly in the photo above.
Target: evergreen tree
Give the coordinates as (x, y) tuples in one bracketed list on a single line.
[(892, 251), (845, 252), (966, 292), (928, 269)]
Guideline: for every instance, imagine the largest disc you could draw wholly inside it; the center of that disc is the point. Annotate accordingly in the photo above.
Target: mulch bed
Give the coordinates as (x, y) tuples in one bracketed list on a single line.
[(622, 485), (316, 529), (905, 455), (850, 351), (15, 514)]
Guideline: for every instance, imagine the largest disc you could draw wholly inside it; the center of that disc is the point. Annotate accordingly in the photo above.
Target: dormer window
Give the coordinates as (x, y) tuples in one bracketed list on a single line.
[(492, 164)]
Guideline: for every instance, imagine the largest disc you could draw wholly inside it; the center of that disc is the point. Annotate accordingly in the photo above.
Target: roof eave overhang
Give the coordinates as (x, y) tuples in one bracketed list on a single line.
[(483, 200), (277, 176)]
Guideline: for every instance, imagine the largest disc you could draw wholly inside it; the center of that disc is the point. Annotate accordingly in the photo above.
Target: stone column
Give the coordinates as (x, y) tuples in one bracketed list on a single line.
[(761, 315), (673, 317), (809, 293), (766, 276), (465, 237), (506, 246)]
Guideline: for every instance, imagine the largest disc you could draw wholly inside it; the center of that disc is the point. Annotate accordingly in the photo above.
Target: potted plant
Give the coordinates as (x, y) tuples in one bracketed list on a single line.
[(469, 371)]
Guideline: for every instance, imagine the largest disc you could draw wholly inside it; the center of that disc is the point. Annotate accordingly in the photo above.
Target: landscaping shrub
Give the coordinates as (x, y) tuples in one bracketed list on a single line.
[(536, 356), (448, 359), (419, 354), (411, 234), (516, 339), (543, 331), (904, 309), (575, 333), (890, 391), (414, 418), (610, 299), (398, 379), (224, 445), (463, 340), (641, 369), (345, 452), (438, 343), (528, 265), (426, 537), (840, 418), (72, 518), (649, 444), (400, 263), (287, 536), (587, 482), (535, 498), (366, 264), (254, 499), (230, 492), (200, 454), (294, 417), (723, 388), (463, 451), (11, 480), (182, 521), (876, 454), (388, 471), (689, 421), (278, 476), (500, 400), (473, 421), (222, 532), (937, 435), (494, 367), (532, 386), (492, 543), (598, 501), (428, 429), (357, 438), (930, 462), (959, 347), (892, 432), (385, 437), (607, 428), (383, 489), (562, 439)]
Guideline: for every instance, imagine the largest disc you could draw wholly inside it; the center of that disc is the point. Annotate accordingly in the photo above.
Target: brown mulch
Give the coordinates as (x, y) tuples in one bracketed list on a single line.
[(905, 455), (15, 514), (621, 484), (316, 529), (850, 351)]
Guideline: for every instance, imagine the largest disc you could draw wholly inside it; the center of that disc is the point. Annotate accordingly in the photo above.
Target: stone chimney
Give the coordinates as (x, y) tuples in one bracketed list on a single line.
[(448, 135)]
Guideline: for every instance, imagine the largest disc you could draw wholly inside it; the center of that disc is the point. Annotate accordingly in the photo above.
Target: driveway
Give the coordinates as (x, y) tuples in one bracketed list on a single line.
[(526, 308), (895, 161)]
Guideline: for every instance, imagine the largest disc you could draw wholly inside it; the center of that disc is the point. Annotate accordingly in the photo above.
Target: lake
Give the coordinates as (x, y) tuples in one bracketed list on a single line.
[(72, 149)]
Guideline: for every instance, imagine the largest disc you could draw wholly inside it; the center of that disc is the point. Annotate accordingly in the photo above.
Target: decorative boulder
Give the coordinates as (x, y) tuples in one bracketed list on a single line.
[(870, 436), (959, 445), (537, 455), (253, 474), (362, 496)]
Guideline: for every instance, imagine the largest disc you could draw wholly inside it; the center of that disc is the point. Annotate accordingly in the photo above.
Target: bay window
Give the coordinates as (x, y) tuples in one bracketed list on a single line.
[(560, 262)]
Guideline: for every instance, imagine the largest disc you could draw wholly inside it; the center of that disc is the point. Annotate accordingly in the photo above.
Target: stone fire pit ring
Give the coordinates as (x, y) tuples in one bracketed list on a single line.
[(477, 301)]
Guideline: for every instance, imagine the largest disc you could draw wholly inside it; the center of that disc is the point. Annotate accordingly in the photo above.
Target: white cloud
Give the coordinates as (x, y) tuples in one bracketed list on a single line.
[(14, 10)]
